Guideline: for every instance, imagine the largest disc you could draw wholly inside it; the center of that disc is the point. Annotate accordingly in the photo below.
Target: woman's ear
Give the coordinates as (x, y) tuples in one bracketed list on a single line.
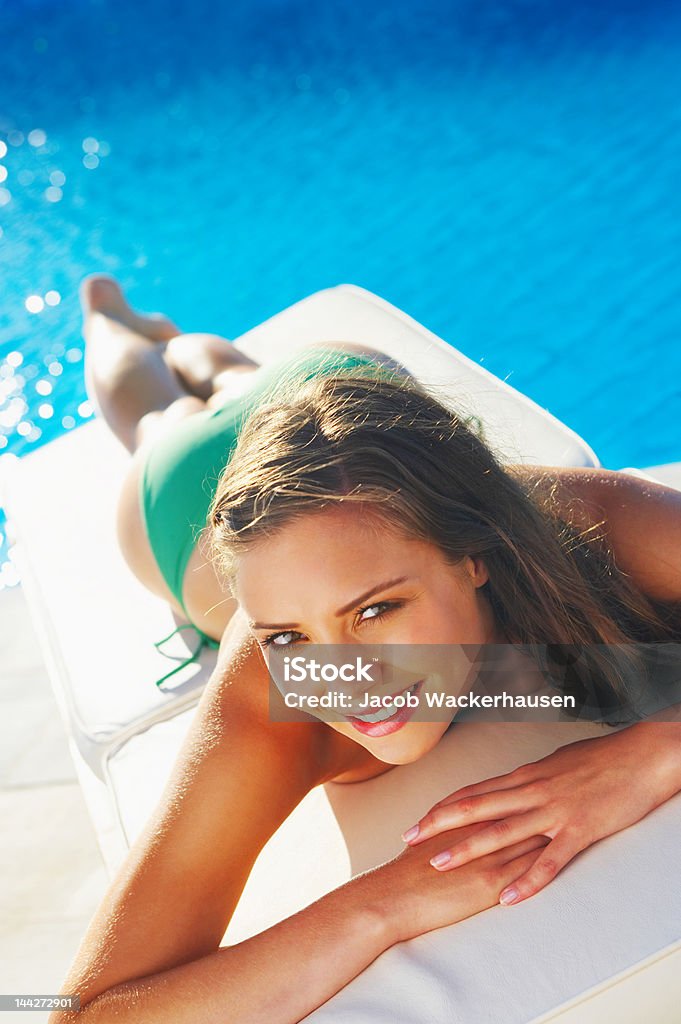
[(477, 571)]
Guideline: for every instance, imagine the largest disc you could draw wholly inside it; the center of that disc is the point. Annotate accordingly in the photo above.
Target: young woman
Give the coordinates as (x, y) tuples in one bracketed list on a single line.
[(424, 538)]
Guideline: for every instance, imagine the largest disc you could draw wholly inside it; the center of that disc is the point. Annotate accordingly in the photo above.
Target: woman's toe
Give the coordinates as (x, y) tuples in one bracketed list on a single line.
[(101, 293)]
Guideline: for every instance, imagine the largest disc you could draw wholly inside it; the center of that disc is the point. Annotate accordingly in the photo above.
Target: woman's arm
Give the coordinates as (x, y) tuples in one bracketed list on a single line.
[(590, 789), (151, 951), (236, 778), (285, 972), (581, 793)]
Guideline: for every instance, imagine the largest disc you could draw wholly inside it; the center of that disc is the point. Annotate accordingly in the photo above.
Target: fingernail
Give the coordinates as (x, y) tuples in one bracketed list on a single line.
[(410, 834), (508, 896), (440, 859)]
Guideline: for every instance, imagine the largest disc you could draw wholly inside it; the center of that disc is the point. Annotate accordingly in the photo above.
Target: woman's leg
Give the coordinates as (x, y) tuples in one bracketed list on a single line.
[(139, 393), (140, 371), (206, 363), (126, 375)]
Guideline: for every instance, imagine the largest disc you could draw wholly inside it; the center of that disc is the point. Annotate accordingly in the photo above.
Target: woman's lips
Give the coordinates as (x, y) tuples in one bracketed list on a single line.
[(388, 725)]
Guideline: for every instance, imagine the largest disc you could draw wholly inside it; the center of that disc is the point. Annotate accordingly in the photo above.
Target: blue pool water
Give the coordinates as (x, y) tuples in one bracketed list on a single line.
[(506, 172)]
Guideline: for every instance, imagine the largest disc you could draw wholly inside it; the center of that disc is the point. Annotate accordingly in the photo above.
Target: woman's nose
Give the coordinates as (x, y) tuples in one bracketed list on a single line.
[(335, 636), (337, 644)]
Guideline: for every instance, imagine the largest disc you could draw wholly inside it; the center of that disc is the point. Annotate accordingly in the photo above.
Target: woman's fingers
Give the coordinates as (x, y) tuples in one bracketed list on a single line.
[(529, 845), (519, 866), (518, 777), (469, 809), (500, 834), (546, 866)]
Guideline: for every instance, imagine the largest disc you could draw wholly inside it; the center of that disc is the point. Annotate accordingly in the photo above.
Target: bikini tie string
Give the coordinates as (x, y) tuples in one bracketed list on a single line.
[(205, 641)]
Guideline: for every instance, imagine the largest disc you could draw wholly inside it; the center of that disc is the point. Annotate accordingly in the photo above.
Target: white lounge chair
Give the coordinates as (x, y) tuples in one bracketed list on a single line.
[(602, 939)]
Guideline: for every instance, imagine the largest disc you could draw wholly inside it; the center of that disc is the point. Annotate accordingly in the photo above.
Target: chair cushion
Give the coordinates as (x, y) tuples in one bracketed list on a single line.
[(517, 428), (615, 906)]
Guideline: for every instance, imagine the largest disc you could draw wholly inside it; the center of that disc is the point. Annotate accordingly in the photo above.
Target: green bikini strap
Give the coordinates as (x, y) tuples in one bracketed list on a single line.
[(205, 641)]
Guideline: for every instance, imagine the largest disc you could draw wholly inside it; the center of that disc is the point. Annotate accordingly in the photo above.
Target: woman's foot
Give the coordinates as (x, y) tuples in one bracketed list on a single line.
[(126, 373), (101, 293)]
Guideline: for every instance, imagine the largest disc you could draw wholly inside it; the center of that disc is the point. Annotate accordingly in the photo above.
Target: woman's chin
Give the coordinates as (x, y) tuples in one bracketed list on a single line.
[(410, 744)]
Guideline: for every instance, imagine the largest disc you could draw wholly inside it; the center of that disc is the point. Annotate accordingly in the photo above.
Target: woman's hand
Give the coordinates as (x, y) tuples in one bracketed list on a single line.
[(413, 899), (582, 792)]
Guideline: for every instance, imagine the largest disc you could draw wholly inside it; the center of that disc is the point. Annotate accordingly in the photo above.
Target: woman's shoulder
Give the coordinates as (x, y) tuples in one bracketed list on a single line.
[(641, 518), (576, 494), (567, 482)]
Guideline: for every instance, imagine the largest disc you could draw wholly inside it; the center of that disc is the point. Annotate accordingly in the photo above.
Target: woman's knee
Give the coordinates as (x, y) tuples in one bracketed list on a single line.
[(199, 358)]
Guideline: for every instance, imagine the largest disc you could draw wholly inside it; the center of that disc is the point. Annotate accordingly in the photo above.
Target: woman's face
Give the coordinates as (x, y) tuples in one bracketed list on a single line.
[(341, 576)]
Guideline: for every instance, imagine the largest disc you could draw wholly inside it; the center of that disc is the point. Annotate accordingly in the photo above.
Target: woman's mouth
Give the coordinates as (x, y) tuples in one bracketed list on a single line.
[(384, 721)]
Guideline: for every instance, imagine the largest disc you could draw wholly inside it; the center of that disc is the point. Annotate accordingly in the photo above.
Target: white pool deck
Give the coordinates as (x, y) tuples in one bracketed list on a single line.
[(51, 870), (53, 875)]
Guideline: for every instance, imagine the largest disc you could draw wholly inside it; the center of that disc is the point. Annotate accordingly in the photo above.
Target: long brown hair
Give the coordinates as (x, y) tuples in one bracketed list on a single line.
[(383, 439)]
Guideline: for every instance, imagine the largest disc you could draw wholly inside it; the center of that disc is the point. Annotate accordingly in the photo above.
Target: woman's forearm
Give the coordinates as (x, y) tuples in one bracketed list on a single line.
[(662, 750), (287, 971), (279, 975)]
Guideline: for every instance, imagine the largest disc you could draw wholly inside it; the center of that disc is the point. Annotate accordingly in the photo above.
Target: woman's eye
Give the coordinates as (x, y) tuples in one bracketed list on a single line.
[(377, 610), (279, 639)]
